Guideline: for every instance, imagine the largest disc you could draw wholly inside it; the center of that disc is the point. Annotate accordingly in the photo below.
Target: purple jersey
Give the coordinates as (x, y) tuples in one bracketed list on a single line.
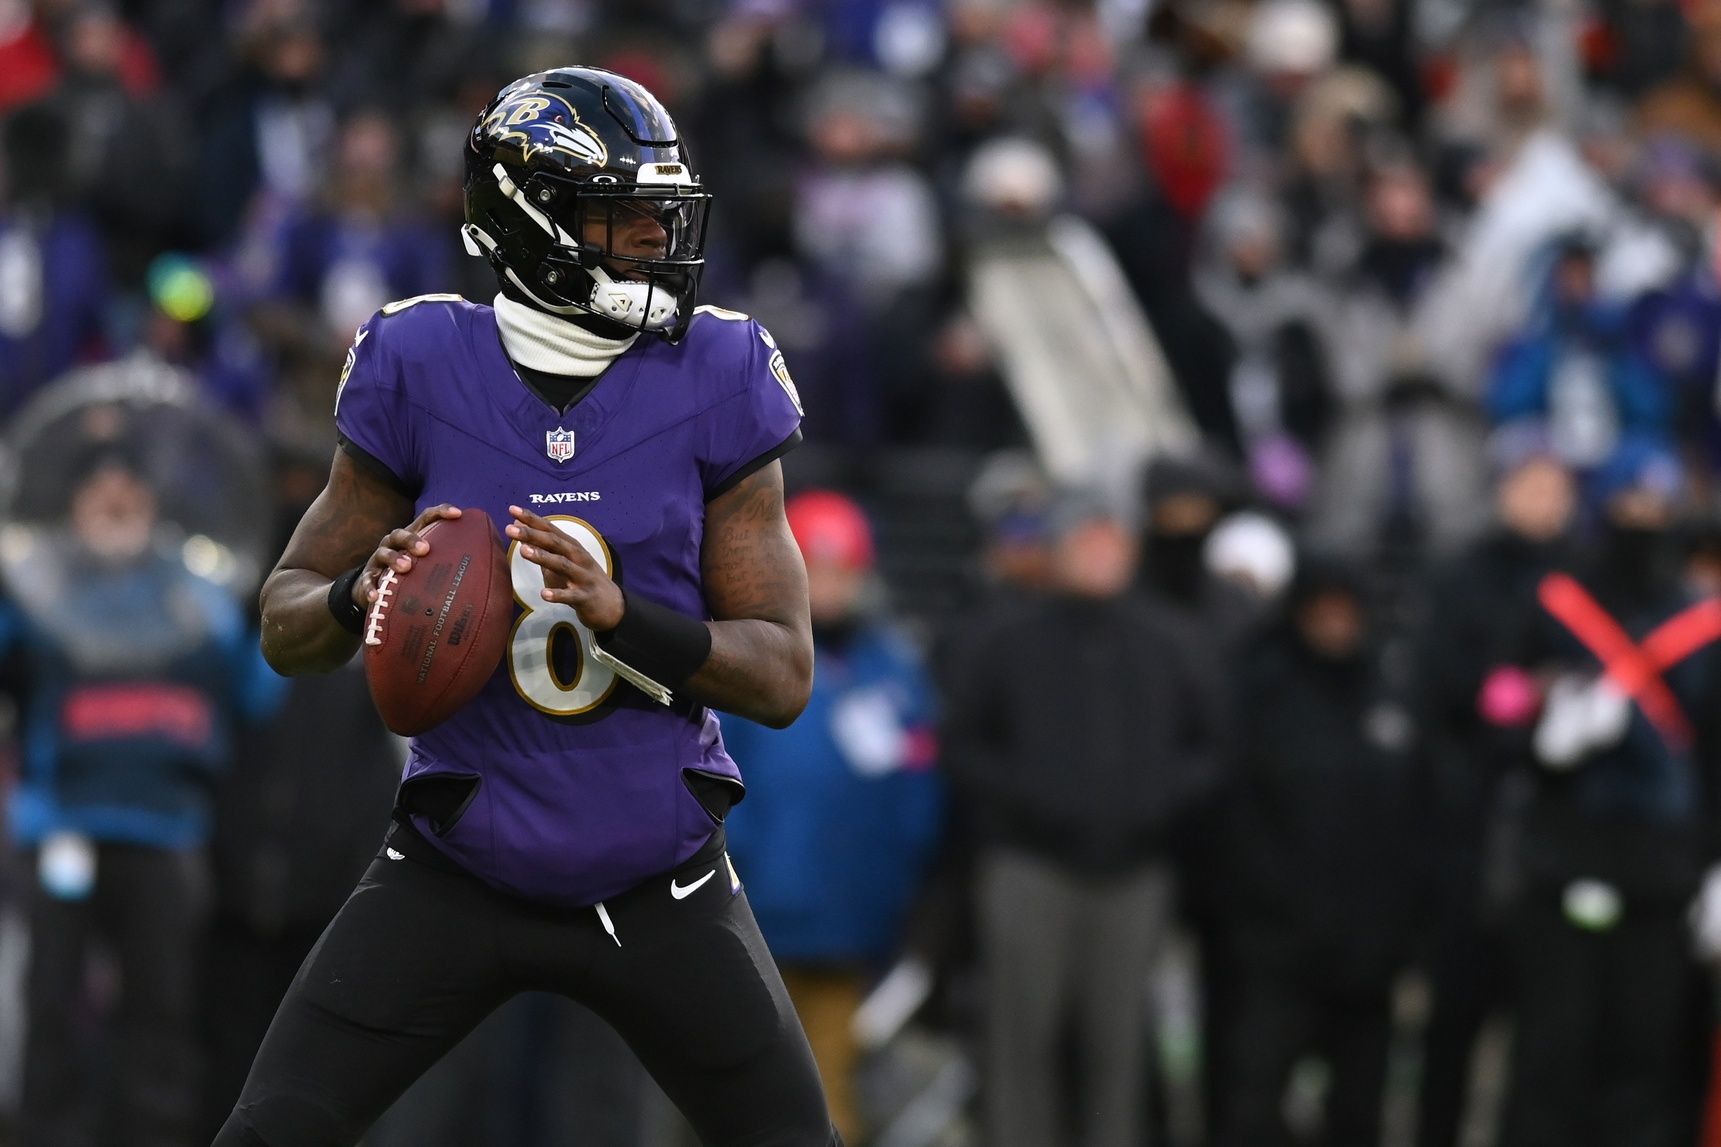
[(582, 780)]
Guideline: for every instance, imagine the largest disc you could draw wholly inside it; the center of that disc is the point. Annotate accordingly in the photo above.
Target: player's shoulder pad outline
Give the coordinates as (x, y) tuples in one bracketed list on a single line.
[(375, 323), (778, 366)]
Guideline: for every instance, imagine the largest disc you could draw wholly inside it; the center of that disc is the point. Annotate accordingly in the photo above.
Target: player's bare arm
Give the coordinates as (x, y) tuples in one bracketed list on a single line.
[(337, 533), (761, 661)]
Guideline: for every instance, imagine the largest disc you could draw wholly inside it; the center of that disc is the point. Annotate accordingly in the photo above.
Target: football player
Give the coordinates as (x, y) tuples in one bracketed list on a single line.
[(563, 831)]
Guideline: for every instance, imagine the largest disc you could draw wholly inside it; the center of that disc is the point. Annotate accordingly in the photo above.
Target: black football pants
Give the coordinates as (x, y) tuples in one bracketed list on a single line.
[(423, 951)]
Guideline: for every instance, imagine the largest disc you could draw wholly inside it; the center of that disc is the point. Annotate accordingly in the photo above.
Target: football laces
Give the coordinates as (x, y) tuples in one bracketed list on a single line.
[(373, 620)]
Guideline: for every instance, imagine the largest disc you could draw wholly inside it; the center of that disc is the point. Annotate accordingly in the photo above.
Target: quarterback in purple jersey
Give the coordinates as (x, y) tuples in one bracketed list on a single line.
[(563, 831)]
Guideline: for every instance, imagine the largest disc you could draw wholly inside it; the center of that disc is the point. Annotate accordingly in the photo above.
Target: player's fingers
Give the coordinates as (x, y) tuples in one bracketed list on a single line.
[(551, 541), (396, 551), (551, 538), (365, 589), (557, 563), (432, 514), (407, 539), (536, 521)]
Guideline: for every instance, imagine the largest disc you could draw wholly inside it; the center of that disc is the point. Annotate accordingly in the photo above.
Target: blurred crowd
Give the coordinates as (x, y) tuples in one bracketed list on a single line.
[(1325, 747)]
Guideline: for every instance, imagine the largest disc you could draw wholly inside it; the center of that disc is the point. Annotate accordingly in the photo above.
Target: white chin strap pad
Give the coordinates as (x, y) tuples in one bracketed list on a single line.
[(626, 302)]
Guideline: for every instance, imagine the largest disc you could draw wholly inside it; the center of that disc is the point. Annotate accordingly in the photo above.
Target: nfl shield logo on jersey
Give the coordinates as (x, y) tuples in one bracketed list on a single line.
[(559, 444)]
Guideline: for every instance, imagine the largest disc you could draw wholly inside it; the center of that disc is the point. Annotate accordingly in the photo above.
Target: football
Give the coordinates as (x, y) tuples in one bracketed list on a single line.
[(436, 633)]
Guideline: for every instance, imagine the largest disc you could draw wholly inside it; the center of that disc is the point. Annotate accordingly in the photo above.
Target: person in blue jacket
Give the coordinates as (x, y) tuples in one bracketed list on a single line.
[(1576, 369), (130, 674), (844, 807)]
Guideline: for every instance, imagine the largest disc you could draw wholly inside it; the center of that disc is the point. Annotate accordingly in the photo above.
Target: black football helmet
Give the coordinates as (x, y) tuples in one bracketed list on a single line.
[(556, 163)]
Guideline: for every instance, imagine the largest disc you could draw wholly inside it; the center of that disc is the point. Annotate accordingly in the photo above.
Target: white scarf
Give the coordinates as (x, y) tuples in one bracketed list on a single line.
[(544, 342)]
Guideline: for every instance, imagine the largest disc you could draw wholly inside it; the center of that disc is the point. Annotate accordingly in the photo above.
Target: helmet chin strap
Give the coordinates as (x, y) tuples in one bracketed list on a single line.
[(481, 245)]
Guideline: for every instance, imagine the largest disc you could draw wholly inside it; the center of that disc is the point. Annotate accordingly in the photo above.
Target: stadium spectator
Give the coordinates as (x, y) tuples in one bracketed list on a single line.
[(1323, 842), (1676, 324), (1574, 369), (1684, 103), (1071, 342), (1470, 700), (843, 811), (1401, 474), (1613, 828), (1278, 384), (1078, 763), (133, 675), (267, 125), (53, 265), (863, 212), (128, 151), (331, 262)]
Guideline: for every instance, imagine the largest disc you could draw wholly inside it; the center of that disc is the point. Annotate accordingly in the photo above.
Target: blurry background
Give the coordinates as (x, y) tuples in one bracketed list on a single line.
[(1200, 396)]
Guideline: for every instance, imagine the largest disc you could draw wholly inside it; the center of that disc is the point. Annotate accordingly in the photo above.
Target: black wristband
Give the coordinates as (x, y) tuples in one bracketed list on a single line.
[(666, 646), (347, 612)]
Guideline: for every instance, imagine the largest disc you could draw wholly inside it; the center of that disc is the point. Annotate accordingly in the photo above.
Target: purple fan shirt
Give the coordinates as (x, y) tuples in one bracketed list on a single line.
[(582, 780)]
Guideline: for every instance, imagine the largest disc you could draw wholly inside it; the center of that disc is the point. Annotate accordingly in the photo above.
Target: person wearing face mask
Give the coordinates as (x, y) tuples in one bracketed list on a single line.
[(1475, 606), (1614, 826), (1322, 889), (133, 675), (837, 834), (1186, 498)]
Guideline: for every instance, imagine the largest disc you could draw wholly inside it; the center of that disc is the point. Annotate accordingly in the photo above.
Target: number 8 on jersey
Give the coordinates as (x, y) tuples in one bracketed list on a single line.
[(530, 661)]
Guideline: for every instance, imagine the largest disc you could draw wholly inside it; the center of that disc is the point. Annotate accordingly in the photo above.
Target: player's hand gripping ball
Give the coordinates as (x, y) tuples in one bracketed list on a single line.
[(441, 609)]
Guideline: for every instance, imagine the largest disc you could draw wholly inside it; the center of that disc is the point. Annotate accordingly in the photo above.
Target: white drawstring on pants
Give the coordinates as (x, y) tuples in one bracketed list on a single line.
[(609, 925)]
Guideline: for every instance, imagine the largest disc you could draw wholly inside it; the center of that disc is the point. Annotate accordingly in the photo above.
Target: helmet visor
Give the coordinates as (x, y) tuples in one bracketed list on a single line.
[(629, 228)]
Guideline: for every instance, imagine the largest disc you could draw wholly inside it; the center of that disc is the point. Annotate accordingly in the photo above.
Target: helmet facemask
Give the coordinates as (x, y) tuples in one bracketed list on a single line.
[(629, 253)]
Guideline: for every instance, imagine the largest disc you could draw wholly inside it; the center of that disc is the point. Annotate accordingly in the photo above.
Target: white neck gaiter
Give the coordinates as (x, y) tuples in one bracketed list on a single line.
[(544, 342)]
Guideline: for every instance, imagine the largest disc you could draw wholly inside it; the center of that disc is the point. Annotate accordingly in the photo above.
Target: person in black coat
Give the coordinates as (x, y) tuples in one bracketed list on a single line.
[(1613, 827), (1476, 608), (1323, 894), (1081, 726)]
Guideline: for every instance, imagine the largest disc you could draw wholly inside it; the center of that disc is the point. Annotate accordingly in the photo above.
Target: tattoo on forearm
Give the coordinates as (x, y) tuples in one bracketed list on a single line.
[(756, 589)]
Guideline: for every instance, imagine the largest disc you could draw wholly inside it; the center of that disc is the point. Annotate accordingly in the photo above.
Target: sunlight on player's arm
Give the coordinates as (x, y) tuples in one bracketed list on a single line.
[(761, 663)]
